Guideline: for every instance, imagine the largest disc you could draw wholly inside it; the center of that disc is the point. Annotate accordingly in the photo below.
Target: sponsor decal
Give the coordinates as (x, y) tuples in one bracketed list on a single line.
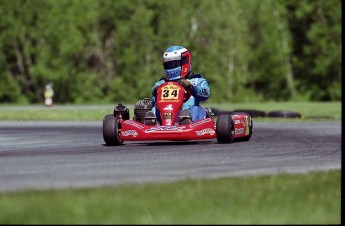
[(170, 86), (168, 107), (164, 128), (200, 122), (247, 127), (205, 131), (129, 133), (167, 115), (239, 131), (239, 121), (134, 124), (168, 100)]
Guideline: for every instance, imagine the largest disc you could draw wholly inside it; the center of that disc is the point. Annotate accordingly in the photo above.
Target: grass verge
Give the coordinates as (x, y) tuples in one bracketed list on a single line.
[(313, 198)]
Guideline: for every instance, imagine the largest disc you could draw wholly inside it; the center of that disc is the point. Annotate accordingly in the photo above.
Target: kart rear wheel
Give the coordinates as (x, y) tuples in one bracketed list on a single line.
[(111, 133), (225, 129)]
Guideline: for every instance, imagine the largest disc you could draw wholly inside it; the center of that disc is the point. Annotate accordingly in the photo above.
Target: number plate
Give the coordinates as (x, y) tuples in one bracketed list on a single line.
[(170, 92)]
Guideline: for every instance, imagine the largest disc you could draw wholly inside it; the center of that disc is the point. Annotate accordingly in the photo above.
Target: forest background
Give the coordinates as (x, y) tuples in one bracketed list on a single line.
[(110, 51)]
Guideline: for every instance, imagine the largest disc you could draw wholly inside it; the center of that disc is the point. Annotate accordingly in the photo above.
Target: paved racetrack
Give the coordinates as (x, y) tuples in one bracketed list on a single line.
[(40, 155)]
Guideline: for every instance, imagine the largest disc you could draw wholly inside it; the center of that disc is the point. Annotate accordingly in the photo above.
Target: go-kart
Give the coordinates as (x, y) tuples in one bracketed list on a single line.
[(175, 123)]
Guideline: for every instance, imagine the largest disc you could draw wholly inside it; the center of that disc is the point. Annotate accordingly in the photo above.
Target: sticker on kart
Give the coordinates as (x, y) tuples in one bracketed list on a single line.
[(199, 122), (129, 122), (170, 93), (239, 131), (165, 128), (205, 131), (129, 133)]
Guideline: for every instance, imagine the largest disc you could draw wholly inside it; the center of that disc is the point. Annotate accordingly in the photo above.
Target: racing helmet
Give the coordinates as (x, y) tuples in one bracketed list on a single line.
[(177, 62)]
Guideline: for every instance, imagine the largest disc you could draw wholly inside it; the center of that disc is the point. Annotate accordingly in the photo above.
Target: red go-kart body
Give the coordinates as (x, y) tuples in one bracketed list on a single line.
[(175, 126)]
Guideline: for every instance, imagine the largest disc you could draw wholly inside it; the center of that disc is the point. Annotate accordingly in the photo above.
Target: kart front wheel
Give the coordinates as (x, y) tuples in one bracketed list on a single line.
[(111, 133), (225, 129)]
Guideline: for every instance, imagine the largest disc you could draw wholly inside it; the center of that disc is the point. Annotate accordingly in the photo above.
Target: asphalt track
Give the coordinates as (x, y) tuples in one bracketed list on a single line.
[(45, 155)]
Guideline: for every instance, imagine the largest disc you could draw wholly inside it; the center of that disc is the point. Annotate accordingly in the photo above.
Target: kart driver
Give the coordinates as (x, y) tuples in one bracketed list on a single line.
[(177, 63)]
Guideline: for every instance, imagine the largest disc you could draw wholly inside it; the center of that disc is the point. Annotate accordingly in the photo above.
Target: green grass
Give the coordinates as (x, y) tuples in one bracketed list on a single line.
[(313, 198), (97, 113), (55, 114)]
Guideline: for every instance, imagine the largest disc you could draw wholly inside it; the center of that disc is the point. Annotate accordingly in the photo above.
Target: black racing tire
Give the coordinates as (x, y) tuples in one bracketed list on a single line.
[(251, 112), (225, 129), (111, 132), (284, 114)]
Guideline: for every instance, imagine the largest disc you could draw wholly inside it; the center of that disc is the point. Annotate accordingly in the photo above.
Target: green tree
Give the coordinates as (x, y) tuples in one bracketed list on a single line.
[(317, 43), (220, 48), (110, 51), (270, 58), (18, 39)]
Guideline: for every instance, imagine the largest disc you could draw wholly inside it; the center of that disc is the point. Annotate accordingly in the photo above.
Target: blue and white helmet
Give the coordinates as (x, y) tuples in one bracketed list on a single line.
[(177, 62)]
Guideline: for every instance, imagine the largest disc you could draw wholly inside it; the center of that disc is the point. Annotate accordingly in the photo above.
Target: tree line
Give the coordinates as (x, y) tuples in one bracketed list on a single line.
[(109, 51)]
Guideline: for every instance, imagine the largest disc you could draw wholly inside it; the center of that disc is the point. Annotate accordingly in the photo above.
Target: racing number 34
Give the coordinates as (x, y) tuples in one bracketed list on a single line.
[(170, 94)]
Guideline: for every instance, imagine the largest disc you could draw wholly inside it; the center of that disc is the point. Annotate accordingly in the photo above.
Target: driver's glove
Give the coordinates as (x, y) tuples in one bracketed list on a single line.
[(185, 84)]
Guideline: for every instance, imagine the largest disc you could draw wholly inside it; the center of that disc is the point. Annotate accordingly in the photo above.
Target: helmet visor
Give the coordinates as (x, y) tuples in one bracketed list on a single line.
[(175, 63), (172, 64)]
